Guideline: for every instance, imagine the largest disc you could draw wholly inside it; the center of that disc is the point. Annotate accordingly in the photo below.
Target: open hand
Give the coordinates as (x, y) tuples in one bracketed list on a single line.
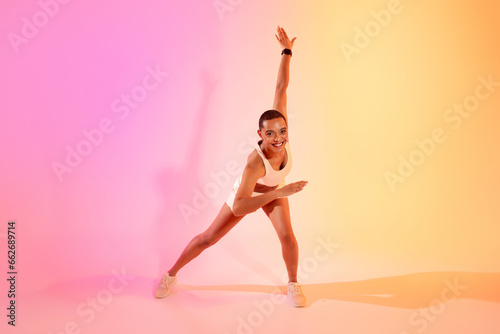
[(283, 39), (292, 188)]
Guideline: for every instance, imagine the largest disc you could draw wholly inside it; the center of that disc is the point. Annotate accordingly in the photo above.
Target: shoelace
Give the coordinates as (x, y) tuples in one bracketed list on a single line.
[(294, 288), (163, 282)]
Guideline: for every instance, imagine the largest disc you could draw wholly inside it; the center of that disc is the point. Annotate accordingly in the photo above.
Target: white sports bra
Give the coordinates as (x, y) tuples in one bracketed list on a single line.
[(274, 177)]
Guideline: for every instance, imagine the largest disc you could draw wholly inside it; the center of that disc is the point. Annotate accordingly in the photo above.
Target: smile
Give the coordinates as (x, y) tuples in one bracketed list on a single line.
[(278, 145)]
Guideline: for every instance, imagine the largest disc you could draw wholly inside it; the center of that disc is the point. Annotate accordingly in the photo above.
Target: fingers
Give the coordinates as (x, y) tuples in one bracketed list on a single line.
[(294, 187), (302, 184), (280, 35), (283, 36), (301, 187)]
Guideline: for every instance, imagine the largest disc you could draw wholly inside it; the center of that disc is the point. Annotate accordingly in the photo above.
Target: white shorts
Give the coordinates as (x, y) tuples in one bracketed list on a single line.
[(232, 193)]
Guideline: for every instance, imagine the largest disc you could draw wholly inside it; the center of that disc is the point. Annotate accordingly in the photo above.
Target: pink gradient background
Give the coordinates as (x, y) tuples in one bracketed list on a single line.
[(122, 207)]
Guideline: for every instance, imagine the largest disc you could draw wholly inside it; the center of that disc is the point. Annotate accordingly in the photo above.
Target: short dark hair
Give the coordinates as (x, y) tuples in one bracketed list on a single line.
[(270, 114)]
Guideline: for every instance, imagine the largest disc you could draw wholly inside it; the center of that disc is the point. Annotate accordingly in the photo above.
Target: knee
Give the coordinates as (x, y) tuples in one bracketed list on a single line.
[(288, 240), (205, 240)]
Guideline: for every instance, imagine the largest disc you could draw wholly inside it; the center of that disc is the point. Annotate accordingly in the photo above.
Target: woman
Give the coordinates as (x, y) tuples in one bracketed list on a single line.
[(261, 185)]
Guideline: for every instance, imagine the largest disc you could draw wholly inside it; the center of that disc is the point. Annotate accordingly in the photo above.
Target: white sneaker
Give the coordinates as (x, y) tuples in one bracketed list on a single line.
[(295, 295), (166, 282)]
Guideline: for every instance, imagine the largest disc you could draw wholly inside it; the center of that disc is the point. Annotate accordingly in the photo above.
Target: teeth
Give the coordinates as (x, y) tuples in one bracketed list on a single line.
[(278, 145)]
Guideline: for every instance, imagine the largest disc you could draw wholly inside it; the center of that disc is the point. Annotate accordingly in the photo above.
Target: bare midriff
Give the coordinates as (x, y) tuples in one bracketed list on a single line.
[(261, 188)]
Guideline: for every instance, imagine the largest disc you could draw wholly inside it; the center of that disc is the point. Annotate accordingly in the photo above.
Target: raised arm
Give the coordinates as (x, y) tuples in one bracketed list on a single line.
[(283, 72)]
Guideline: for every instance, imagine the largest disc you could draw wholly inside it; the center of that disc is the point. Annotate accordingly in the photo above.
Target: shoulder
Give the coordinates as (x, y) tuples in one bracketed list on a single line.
[(254, 160), (255, 163)]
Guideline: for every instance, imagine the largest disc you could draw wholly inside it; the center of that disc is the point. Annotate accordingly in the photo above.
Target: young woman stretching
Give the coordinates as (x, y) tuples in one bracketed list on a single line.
[(261, 185)]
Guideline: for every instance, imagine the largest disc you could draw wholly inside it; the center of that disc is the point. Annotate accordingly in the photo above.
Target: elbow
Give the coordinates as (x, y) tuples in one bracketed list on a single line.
[(281, 85)]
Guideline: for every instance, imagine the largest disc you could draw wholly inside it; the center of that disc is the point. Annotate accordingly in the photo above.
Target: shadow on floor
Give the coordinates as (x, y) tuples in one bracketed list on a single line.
[(412, 291)]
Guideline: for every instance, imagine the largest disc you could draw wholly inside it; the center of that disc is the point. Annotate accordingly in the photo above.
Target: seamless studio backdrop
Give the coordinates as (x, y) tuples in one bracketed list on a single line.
[(124, 126)]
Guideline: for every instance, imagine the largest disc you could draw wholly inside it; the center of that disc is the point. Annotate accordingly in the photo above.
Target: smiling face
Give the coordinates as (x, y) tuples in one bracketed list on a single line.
[(274, 134)]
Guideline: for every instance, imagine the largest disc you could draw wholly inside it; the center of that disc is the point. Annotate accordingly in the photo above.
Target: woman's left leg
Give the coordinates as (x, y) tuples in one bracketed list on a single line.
[(278, 212)]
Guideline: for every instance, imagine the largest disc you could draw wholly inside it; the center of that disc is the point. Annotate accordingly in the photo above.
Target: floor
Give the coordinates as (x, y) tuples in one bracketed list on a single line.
[(430, 302)]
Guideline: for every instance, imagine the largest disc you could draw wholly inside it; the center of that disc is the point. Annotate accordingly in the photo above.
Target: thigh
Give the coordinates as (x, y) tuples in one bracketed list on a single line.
[(222, 224), (278, 212)]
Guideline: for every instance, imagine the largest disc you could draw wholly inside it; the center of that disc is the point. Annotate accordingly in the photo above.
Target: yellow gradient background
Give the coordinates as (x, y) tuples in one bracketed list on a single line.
[(355, 118)]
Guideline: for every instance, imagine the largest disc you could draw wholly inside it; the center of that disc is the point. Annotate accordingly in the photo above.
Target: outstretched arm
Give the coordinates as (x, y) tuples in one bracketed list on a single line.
[(244, 203), (283, 72)]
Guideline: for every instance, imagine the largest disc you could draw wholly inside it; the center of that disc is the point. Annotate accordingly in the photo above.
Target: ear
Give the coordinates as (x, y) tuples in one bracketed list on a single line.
[(260, 135)]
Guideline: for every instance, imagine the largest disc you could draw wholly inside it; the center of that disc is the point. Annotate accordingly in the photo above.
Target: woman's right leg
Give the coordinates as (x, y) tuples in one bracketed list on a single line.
[(222, 224)]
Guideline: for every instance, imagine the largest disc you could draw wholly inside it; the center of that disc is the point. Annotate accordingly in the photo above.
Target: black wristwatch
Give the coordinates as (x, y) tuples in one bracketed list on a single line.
[(287, 51)]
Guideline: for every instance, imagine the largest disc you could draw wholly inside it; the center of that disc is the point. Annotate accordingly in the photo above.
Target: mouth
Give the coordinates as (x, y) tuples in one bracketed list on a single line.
[(279, 145)]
